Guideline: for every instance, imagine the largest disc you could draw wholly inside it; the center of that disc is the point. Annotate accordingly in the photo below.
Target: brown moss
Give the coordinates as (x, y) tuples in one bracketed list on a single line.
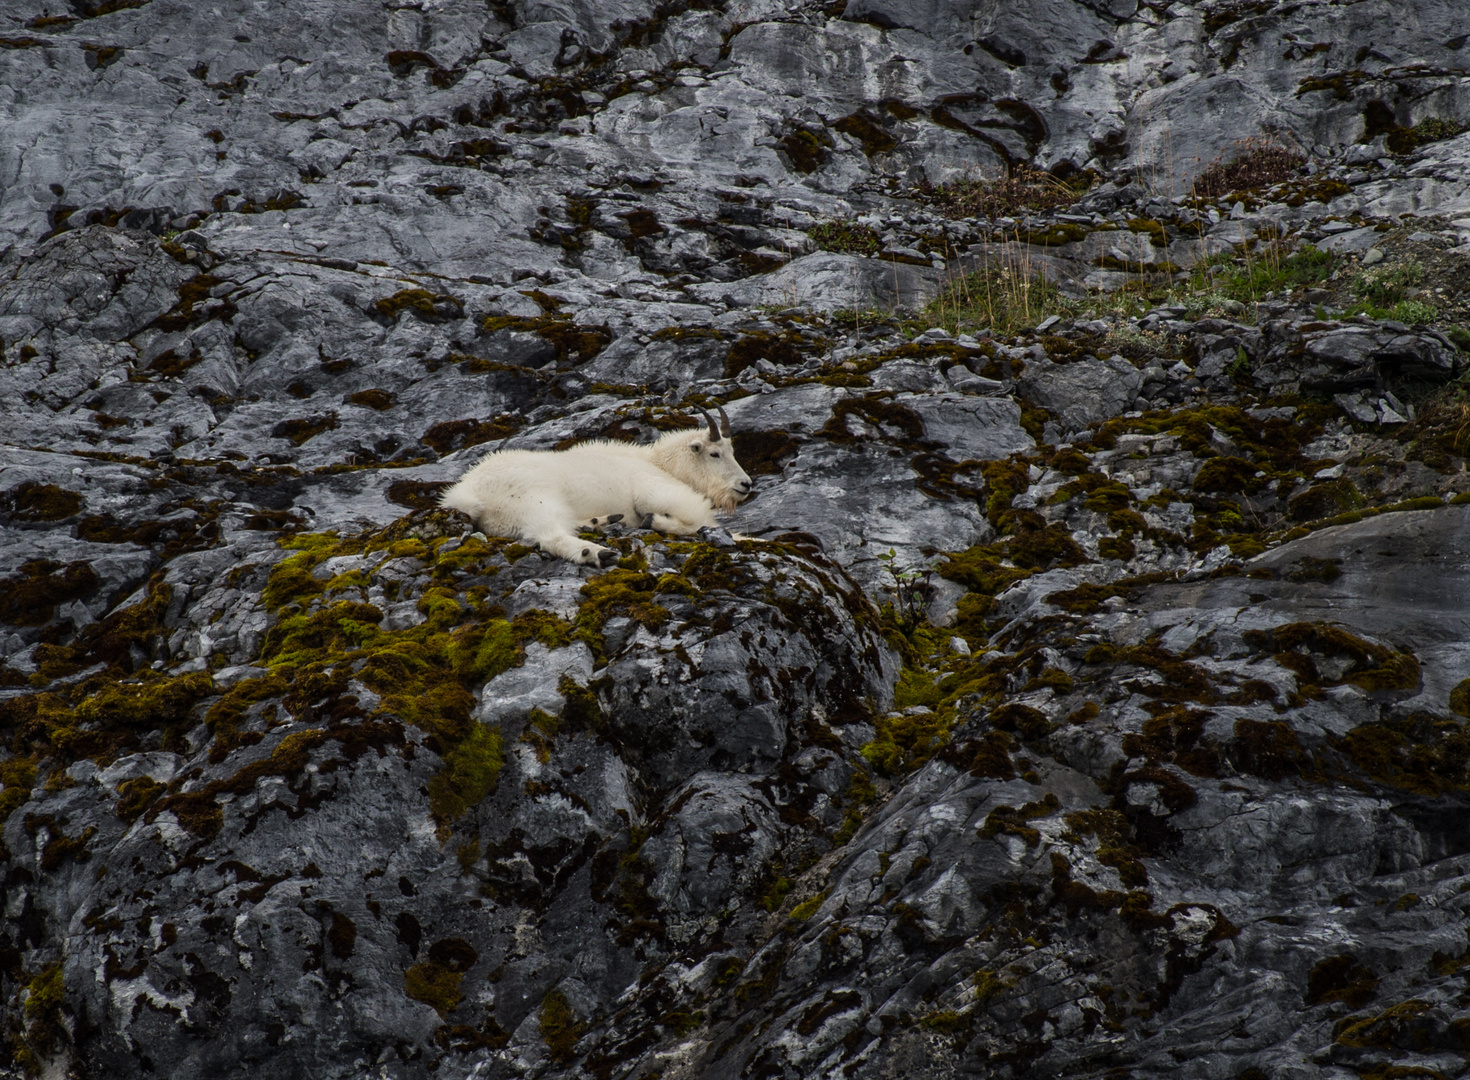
[(1038, 546), (1375, 668), (342, 936), (417, 494), (805, 149), (1077, 897), (1112, 830), (1421, 752), (1269, 749), (1341, 978), (299, 431), (1088, 598), (1028, 722), (1116, 547), (31, 596), (569, 338), (450, 435), (762, 453), (868, 130), (379, 400), (1012, 820), (785, 349), (31, 500), (988, 756)]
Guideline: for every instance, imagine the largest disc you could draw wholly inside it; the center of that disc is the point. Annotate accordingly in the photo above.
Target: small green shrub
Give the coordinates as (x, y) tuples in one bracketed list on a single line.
[(1385, 285), (1401, 140), (845, 237)]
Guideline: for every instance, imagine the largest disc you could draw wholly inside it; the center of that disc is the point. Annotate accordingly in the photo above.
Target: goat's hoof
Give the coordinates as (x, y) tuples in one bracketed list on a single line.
[(647, 522), (606, 557), (613, 519)]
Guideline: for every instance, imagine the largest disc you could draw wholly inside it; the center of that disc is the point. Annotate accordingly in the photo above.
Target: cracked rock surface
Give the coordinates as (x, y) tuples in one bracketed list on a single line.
[(1085, 696)]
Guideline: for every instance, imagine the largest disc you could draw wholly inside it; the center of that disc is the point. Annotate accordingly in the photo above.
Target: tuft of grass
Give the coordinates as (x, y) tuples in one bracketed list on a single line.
[(1004, 297), (1269, 268)]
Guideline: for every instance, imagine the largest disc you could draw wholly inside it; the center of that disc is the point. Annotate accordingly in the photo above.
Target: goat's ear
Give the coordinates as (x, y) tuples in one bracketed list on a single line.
[(697, 446)]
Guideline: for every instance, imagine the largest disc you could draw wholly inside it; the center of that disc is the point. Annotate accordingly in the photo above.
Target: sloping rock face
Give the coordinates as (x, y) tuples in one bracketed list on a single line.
[(1087, 698)]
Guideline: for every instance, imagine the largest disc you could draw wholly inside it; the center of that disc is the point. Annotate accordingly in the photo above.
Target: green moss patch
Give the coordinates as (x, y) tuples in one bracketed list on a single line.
[(435, 985), (847, 238), (431, 307), (570, 339), (560, 1027), (470, 773)]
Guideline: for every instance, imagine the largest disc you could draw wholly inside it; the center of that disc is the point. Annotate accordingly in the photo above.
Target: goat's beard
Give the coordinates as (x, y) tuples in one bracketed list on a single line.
[(727, 500)]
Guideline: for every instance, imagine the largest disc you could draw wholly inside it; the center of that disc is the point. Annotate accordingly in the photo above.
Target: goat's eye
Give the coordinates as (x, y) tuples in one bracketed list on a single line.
[(715, 454)]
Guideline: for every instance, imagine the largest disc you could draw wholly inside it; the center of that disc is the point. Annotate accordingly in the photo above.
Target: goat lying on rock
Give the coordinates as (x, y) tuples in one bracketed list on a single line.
[(544, 496)]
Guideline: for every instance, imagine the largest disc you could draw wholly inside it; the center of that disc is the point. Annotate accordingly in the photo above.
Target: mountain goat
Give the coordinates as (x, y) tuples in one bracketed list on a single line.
[(545, 496)]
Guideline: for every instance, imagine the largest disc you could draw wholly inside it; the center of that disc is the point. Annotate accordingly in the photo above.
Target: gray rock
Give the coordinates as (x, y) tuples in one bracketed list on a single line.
[(264, 291), (1084, 392)]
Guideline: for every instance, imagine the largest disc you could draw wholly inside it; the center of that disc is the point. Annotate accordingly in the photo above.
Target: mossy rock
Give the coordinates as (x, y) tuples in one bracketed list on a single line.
[(1327, 499), (431, 307), (34, 501)]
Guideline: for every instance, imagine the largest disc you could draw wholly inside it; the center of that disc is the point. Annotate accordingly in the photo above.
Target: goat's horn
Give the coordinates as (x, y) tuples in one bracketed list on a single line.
[(714, 432), (724, 421)]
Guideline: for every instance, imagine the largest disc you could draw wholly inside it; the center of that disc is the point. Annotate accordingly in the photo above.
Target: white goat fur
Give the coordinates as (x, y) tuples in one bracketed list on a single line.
[(545, 496)]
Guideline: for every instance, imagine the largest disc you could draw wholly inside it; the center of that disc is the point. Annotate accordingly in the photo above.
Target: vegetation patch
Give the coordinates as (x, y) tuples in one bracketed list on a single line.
[(1254, 163), (1404, 140), (34, 501), (847, 238), (1341, 978), (567, 337), (1305, 649), (1005, 298), (450, 435), (434, 984), (560, 1027), (1025, 189)]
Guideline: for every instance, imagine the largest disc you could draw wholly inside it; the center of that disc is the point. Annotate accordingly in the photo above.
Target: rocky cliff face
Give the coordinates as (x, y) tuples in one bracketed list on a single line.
[(1084, 691)]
